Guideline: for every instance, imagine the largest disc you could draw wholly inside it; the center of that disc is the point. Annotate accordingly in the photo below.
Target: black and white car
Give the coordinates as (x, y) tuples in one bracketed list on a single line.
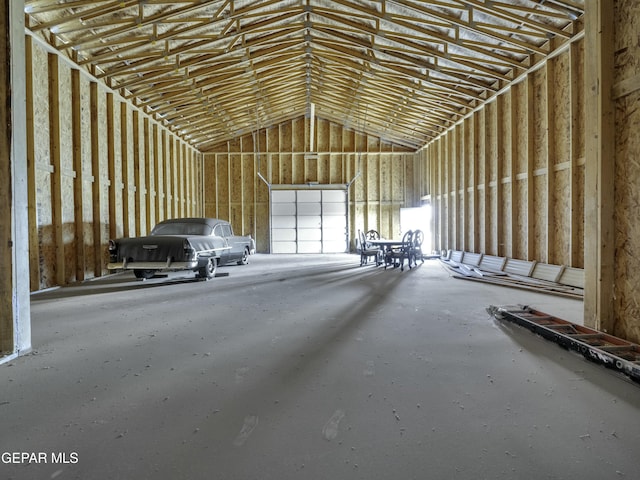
[(197, 244)]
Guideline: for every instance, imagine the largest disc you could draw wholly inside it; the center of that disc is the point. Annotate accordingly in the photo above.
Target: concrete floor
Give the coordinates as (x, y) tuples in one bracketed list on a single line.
[(308, 367)]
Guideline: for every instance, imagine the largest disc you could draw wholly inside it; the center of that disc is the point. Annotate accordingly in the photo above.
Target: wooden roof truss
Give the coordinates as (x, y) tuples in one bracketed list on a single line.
[(404, 70)]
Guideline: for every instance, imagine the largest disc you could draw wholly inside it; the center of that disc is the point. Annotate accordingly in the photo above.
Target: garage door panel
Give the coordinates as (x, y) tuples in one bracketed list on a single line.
[(282, 234), (306, 234), (283, 196), (309, 209), (283, 247), (283, 222), (334, 196), (309, 196), (309, 247), (283, 209), (309, 222)]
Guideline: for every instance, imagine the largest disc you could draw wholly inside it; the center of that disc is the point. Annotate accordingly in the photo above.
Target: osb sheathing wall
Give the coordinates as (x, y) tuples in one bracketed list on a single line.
[(384, 175), (98, 169), (508, 180), (627, 170)]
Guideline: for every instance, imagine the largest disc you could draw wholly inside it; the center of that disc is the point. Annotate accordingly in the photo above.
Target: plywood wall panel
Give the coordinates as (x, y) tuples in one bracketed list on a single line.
[(541, 207), (46, 235), (627, 211), (520, 247), (323, 135), (519, 106), (324, 168), (398, 175), (84, 178), (373, 144), (299, 168), (81, 201), (577, 214), (210, 165), (538, 118), (337, 171), (348, 140), (335, 137), (271, 139), (249, 142), (298, 131), (627, 174), (560, 98), (223, 188), (578, 103), (310, 167), (248, 198), (382, 220), (376, 195), (381, 169), (561, 203), (101, 174), (286, 170), (43, 167), (286, 138), (506, 241)]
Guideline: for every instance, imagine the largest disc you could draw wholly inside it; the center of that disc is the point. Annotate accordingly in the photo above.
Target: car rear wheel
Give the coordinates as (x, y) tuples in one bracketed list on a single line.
[(144, 274), (245, 257), (209, 270)]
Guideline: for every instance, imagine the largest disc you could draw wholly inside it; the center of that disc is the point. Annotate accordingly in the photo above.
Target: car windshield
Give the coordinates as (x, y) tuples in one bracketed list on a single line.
[(176, 228)]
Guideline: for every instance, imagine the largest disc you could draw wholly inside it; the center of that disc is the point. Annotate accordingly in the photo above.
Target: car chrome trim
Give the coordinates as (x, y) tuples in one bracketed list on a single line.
[(152, 265)]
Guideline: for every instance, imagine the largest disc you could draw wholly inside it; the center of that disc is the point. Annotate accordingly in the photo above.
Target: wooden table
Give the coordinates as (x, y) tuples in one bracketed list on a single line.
[(387, 246)]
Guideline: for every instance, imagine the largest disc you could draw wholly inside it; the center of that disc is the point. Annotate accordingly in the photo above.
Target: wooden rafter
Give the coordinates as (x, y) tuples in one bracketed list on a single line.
[(205, 67)]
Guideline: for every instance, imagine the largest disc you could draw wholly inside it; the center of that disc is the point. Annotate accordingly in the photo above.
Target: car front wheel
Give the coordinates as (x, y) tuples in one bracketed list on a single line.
[(209, 270)]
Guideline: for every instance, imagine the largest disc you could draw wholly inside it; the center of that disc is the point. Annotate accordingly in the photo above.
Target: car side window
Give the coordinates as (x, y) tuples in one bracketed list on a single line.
[(226, 230), (217, 231)]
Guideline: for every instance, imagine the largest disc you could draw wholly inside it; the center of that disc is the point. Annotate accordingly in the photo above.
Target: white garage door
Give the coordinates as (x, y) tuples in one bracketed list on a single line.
[(308, 221)]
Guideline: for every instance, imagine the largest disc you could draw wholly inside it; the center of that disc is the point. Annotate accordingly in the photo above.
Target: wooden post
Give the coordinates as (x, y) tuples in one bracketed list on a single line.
[(56, 175), (96, 190), (474, 221), (499, 191), (138, 182), (577, 259), (166, 175), (149, 190), (124, 169), (464, 195), (15, 312), (530, 153), (599, 198), (158, 175), (78, 181), (514, 237), (113, 187), (550, 256), (34, 242)]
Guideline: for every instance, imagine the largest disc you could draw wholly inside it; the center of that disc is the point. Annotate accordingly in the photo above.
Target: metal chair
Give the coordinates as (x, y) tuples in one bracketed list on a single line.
[(416, 249), (397, 255), (367, 250), (372, 235)]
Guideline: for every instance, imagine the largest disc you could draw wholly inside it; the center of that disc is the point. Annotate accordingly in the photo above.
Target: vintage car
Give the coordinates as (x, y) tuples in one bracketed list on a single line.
[(197, 244)]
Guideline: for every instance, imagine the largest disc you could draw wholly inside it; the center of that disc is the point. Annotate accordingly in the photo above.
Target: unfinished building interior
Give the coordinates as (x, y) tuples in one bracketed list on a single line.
[(512, 123)]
